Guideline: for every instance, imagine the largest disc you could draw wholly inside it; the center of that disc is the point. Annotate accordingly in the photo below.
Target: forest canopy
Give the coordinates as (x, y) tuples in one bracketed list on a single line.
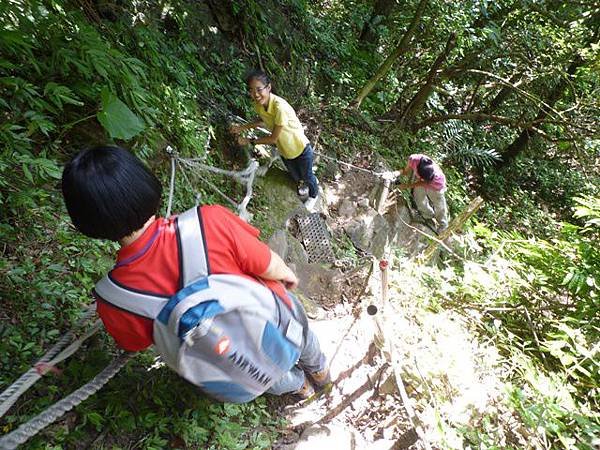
[(505, 95)]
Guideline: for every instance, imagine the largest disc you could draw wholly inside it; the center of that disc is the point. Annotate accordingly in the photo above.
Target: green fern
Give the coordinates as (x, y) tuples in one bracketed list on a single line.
[(458, 142), (475, 156), (454, 133), (588, 208)]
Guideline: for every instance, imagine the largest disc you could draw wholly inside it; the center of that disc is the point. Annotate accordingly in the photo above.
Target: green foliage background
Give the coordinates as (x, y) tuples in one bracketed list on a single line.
[(149, 74)]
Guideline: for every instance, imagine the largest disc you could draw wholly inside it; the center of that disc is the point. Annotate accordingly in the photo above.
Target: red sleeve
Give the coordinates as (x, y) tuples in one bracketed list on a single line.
[(131, 332), (233, 243), (253, 256)]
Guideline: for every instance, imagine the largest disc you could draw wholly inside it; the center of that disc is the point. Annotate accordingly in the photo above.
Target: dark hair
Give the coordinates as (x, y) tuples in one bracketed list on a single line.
[(257, 74), (425, 169), (109, 192)]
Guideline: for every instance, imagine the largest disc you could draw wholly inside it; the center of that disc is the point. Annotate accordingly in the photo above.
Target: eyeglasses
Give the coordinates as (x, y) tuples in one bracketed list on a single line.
[(257, 90)]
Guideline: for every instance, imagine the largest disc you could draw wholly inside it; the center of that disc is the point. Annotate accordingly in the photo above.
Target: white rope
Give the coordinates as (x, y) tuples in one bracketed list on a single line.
[(355, 167), (67, 352), (246, 177), (221, 193), (52, 357), (242, 211), (197, 162), (183, 163), (187, 180), (171, 185), (27, 430)]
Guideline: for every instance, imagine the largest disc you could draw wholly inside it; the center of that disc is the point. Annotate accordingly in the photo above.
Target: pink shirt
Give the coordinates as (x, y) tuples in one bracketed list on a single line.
[(438, 183)]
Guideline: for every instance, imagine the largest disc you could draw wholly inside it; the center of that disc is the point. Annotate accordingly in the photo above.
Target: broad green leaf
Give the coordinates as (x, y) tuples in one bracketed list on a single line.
[(116, 118), (27, 172)]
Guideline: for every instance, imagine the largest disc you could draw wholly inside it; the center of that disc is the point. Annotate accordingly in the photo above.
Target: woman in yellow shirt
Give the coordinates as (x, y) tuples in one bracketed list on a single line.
[(287, 133)]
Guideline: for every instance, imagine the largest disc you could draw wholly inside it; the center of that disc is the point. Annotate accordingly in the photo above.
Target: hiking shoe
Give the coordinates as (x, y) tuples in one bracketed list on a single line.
[(431, 223), (302, 190), (310, 203), (306, 391), (321, 378)]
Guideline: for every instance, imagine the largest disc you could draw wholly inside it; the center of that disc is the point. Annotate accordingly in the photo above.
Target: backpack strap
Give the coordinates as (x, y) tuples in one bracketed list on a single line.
[(193, 266), (192, 247), (193, 250), (140, 303)]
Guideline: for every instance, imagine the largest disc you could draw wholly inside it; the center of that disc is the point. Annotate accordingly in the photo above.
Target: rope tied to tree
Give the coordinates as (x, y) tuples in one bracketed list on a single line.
[(245, 177)]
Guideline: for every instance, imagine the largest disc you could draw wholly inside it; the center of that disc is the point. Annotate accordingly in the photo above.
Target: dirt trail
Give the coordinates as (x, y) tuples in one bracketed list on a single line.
[(361, 410)]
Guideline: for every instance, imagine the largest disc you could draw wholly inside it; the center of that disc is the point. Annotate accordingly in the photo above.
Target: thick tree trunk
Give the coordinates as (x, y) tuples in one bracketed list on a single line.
[(398, 51), (381, 10), (522, 141), (418, 101), (502, 95)]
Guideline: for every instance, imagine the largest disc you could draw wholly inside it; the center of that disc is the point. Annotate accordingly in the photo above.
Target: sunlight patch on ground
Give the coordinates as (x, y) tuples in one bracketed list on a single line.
[(455, 381)]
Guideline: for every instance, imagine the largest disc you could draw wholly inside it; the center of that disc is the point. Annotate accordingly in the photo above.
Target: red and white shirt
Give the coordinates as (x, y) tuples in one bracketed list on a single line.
[(151, 265)]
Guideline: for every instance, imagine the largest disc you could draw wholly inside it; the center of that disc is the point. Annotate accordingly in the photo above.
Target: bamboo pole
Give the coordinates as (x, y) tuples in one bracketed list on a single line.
[(455, 225), (389, 352)]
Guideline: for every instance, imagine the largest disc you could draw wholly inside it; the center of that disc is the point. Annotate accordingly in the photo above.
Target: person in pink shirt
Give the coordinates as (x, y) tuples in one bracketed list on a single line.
[(429, 185)]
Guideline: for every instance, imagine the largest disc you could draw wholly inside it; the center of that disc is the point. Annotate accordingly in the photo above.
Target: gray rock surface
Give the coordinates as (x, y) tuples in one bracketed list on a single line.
[(319, 283), (326, 437), (347, 208), (369, 232), (278, 242), (288, 247), (281, 189)]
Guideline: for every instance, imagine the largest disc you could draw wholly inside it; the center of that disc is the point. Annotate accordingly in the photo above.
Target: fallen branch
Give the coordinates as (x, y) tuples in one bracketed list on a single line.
[(456, 224), (389, 352), (369, 384), (433, 238)]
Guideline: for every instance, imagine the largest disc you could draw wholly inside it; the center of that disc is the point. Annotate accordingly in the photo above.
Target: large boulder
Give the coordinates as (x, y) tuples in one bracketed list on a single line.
[(279, 187), (369, 232), (319, 285)]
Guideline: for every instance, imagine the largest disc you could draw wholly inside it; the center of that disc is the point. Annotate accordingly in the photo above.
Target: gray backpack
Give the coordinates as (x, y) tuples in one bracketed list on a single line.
[(225, 333)]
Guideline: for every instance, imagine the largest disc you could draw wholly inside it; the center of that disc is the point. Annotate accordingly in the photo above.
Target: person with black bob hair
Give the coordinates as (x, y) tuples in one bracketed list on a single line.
[(287, 134), (428, 184), (110, 194)]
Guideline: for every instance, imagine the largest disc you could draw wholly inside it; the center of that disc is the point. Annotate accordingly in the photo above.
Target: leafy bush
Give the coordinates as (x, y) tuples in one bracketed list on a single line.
[(68, 80)]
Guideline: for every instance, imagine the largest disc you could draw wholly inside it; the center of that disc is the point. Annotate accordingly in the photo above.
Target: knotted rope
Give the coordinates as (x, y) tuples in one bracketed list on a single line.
[(245, 177)]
